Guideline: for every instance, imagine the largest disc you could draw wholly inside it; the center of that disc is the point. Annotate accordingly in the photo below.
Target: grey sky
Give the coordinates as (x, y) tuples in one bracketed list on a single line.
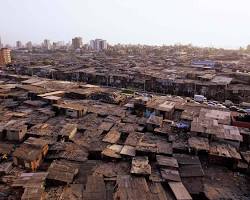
[(221, 23)]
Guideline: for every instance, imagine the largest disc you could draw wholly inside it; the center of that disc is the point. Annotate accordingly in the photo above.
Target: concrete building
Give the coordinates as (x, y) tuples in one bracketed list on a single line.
[(46, 44), (29, 45), (92, 44), (248, 47), (5, 57), (77, 43), (1, 45), (98, 44), (18, 44), (58, 45)]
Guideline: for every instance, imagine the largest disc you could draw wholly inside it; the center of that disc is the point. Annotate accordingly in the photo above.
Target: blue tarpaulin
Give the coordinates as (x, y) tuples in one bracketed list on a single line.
[(183, 125)]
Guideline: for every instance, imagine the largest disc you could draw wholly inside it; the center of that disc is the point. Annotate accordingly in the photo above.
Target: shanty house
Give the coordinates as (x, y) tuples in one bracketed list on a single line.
[(32, 184), (15, 130), (165, 109), (68, 131), (230, 135), (161, 107), (154, 122), (71, 110), (31, 153), (62, 172)]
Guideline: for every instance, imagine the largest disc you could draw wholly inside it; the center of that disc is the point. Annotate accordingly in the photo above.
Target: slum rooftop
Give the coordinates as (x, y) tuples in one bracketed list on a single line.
[(73, 140), (178, 70)]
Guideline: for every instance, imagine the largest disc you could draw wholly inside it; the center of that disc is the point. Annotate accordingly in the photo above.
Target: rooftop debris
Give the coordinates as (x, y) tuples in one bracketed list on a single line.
[(140, 166)]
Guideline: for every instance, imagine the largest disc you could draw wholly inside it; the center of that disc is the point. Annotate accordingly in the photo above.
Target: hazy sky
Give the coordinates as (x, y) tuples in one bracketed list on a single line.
[(220, 23)]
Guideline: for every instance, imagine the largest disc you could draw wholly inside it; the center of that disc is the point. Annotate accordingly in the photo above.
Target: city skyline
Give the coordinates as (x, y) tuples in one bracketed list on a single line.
[(201, 23)]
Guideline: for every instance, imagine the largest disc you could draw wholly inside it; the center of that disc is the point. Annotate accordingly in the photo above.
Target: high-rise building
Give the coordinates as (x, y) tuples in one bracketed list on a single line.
[(248, 47), (92, 44), (58, 45), (103, 44), (77, 43), (46, 44), (5, 57), (29, 46), (18, 44), (1, 45), (98, 44)]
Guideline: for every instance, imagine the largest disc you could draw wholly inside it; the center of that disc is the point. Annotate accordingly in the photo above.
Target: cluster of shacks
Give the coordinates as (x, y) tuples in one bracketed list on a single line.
[(62, 140)]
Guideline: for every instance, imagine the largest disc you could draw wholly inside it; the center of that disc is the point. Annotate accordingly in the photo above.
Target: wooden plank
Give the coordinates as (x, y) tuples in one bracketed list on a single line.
[(155, 175), (132, 188), (170, 175), (112, 137), (165, 161), (179, 191), (95, 189), (198, 143), (73, 191), (157, 191), (112, 151), (194, 185), (128, 151), (133, 139), (35, 180), (106, 126), (62, 171), (184, 159), (191, 171), (164, 147)]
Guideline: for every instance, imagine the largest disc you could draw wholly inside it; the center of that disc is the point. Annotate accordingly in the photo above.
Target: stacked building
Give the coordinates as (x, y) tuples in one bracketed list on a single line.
[(29, 45), (98, 45), (77, 43), (46, 44), (19, 44), (5, 57)]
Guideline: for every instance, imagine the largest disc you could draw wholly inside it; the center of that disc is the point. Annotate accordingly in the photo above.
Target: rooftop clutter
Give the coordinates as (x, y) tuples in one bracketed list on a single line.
[(89, 146)]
